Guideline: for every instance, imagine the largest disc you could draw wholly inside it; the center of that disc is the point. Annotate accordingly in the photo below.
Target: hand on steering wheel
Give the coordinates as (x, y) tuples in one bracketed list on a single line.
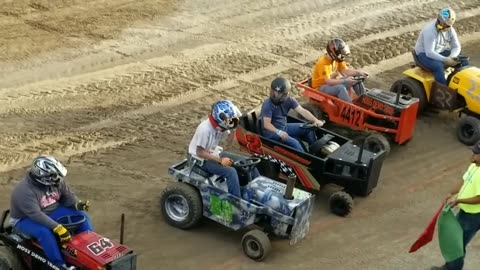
[(247, 164), (318, 123), (225, 161)]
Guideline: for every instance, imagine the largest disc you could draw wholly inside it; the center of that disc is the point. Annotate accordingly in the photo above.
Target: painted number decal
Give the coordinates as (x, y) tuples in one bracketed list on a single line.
[(100, 246), (350, 115)]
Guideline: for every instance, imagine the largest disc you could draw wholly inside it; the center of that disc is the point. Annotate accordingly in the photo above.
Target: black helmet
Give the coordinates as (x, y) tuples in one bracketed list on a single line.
[(279, 90), (337, 49)]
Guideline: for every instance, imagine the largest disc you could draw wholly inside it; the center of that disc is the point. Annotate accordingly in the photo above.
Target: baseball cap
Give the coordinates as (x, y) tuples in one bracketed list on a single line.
[(476, 148)]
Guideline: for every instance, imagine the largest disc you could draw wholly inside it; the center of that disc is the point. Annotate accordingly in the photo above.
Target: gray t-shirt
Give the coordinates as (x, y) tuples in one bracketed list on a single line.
[(432, 42), (207, 137), (32, 200)]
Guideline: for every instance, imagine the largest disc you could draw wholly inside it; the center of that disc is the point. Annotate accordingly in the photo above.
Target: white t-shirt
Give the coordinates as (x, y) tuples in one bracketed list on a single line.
[(207, 137)]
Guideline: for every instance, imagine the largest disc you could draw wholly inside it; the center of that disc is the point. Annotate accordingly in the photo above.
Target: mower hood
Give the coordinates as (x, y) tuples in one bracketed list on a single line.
[(95, 251), (302, 215)]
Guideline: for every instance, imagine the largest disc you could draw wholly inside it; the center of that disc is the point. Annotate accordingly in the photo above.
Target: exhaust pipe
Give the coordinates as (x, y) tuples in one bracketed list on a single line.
[(360, 153), (399, 90), (292, 178), (122, 228)]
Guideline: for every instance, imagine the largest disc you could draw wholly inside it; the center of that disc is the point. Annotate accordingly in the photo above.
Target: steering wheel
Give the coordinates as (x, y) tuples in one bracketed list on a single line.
[(71, 222), (247, 164), (360, 78), (462, 58), (307, 125)]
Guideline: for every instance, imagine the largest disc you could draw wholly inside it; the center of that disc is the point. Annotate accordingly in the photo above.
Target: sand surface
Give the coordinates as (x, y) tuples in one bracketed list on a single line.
[(116, 88)]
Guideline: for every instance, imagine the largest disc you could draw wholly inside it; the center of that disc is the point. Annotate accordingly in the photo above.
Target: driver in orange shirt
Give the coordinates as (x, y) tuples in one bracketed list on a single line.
[(331, 74)]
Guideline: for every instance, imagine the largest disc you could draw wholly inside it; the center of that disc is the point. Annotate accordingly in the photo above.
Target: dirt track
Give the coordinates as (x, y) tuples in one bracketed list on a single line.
[(116, 88)]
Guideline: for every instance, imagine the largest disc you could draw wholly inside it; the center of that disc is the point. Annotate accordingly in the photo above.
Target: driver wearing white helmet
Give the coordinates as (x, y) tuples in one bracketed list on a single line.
[(39, 200)]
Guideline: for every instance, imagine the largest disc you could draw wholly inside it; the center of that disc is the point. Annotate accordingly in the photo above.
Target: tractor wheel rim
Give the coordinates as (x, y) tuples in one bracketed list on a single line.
[(253, 248), (176, 207), (405, 90), (374, 147), (339, 206), (467, 131)]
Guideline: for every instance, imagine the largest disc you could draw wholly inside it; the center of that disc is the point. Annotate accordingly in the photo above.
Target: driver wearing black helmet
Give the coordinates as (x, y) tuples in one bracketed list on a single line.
[(274, 117)]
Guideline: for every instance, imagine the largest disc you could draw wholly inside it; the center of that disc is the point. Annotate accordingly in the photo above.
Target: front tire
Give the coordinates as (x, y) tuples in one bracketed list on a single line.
[(181, 205), (341, 203), (256, 245)]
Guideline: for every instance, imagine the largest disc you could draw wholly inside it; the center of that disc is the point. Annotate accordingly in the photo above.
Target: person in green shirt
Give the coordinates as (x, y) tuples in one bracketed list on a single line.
[(467, 199)]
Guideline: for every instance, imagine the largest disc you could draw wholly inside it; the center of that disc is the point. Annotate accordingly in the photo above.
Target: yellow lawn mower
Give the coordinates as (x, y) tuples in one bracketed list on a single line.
[(462, 94)]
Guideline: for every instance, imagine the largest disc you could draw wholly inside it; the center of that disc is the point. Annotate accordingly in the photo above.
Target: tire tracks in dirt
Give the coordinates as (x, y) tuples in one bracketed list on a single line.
[(205, 79)]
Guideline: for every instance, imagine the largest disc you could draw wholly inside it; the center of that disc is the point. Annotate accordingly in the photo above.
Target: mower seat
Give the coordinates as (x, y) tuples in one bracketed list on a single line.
[(417, 63), (196, 172), (251, 123), (22, 235), (258, 126)]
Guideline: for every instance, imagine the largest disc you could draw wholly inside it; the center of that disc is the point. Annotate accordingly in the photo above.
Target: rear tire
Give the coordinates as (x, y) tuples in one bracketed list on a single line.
[(256, 245), (341, 203), (9, 260), (313, 109), (413, 88), (468, 130), (376, 142), (181, 205)]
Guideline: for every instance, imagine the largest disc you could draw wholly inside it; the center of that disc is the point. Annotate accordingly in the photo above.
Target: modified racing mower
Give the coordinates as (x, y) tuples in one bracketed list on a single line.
[(381, 116), (331, 160), (267, 207), (85, 251), (463, 96)]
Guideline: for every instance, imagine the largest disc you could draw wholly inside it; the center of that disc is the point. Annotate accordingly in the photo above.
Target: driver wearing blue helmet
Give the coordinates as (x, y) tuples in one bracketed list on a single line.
[(39, 200), (438, 45), (217, 127)]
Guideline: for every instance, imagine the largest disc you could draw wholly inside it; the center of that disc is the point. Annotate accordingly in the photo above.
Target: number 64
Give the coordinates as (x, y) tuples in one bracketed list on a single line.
[(100, 247)]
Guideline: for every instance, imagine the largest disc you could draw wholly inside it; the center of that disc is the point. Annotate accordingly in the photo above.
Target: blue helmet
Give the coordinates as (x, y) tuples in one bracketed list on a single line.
[(226, 114), (446, 18)]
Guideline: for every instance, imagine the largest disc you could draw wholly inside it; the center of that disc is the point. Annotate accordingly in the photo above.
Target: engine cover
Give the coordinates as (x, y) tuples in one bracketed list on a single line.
[(384, 102), (270, 193), (93, 250)]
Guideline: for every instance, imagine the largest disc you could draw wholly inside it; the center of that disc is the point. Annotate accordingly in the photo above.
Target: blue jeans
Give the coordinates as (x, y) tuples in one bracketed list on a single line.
[(46, 236), (341, 92), (471, 225), (295, 133), (338, 90), (230, 173), (435, 66)]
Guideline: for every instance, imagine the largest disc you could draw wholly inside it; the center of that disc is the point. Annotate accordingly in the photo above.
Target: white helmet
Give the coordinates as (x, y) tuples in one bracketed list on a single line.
[(47, 170)]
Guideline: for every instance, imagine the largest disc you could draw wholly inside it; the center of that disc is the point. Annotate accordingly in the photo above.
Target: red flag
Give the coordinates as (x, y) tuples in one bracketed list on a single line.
[(427, 234)]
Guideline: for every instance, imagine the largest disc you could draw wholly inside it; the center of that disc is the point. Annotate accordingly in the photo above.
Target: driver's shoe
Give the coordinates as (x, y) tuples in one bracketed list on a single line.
[(65, 267)]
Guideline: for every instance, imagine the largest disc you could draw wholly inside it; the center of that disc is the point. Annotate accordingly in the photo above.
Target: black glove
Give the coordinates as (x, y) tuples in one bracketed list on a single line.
[(82, 205), (63, 233), (451, 61)]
